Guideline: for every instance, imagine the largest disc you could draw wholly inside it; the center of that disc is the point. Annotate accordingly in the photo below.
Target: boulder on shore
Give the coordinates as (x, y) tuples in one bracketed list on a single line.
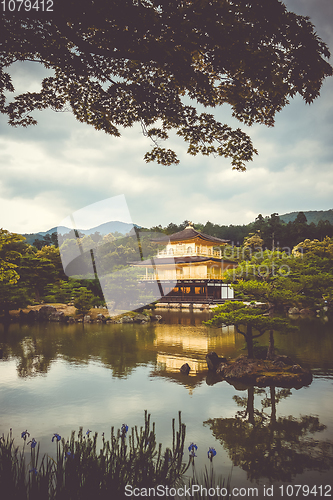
[(140, 318), (46, 311), (57, 316), (213, 361), (293, 310), (306, 312), (157, 317)]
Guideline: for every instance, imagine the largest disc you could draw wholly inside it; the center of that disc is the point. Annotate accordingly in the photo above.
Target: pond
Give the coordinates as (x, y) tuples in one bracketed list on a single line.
[(57, 378)]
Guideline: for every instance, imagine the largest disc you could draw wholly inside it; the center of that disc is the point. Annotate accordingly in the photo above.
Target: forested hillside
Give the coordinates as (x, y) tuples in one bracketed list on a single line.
[(271, 230), (311, 216)]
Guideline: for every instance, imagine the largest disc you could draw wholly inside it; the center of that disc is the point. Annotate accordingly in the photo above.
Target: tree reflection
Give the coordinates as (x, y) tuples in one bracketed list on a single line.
[(269, 447), (34, 353), (33, 360), (35, 348)]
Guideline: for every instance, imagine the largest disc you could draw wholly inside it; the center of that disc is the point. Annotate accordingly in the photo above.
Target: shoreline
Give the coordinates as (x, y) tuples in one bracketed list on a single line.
[(66, 313)]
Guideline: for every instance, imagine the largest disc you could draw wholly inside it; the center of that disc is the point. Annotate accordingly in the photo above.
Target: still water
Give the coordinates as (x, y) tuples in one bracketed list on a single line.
[(56, 378)]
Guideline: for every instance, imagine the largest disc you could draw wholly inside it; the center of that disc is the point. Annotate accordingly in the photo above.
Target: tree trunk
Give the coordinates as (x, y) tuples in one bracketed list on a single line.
[(271, 348), (250, 405), (249, 342), (273, 405)]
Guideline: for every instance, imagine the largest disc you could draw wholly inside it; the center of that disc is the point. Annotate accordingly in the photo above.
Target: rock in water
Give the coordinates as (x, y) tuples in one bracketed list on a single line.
[(185, 369)]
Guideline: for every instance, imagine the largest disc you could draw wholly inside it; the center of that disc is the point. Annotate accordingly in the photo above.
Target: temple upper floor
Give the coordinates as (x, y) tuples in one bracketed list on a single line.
[(190, 242), (188, 249)]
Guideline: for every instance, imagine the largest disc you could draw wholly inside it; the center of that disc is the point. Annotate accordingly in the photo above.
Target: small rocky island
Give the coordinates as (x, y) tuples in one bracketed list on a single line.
[(281, 371)]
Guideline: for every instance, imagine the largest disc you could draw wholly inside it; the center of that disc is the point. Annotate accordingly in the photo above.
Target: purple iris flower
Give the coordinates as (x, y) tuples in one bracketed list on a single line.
[(69, 454), (24, 434), (88, 432), (56, 436), (211, 453), (33, 442), (192, 449), (124, 429), (34, 470)]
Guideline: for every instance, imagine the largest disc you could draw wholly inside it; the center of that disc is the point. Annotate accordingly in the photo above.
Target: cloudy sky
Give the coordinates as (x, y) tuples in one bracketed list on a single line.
[(60, 166)]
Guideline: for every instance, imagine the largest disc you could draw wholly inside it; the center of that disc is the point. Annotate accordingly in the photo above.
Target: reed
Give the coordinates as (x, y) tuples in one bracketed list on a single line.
[(212, 486), (82, 469)]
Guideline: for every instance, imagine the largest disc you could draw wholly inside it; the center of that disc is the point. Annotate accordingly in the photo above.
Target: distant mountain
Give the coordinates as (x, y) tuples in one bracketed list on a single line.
[(311, 216), (124, 227), (106, 228)]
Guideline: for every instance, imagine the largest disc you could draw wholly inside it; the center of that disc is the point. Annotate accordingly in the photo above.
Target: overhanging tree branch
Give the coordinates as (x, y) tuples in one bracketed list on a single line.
[(253, 56)]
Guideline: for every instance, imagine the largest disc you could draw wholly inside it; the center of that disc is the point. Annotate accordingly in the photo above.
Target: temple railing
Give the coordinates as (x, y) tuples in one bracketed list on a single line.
[(185, 253), (179, 277), (191, 299)]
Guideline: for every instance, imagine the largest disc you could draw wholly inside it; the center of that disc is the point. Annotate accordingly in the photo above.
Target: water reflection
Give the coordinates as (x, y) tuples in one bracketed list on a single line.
[(34, 353), (56, 377), (37, 347), (269, 447), (165, 347)]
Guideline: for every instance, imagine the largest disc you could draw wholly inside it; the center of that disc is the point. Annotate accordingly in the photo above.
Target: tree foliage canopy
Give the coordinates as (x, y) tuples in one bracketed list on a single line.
[(156, 62), (302, 279), (8, 256), (247, 319), (238, 314)]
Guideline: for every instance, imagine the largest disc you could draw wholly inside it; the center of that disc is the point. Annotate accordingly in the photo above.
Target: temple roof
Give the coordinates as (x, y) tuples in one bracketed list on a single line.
[(189, 233), (177, 260)]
